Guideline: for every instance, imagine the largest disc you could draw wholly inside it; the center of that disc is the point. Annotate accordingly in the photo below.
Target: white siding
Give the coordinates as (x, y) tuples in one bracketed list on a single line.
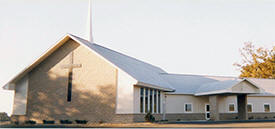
[(125, 93), (224, 102), (136, 99), (175, 103), (20, 97), (258, 103)]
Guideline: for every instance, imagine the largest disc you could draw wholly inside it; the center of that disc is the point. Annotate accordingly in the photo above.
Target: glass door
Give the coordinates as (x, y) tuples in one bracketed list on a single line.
[(207, 111)]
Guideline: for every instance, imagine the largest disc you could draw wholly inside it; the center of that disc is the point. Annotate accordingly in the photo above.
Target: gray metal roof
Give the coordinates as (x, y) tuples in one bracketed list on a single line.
[(155, 76), (192, 84), (141, 71)]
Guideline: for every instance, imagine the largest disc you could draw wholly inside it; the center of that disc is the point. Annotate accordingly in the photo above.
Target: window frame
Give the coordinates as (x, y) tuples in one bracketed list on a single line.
[(269, 106), (185, 108), (251, 107), (233, 106)]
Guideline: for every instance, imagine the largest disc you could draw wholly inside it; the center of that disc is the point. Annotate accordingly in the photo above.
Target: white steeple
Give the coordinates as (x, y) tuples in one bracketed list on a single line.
[(90, 33)]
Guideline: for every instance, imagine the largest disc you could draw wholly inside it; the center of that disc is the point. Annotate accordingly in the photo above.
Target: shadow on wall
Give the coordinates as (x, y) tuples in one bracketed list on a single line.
[(52, 104), (48, 89)]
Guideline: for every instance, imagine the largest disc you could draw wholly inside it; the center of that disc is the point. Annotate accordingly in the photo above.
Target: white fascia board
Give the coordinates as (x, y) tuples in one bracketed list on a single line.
[(251, 82), (47, 53), (9, 86), (37, 61), (103, 58), (154, 87), (213, 92)]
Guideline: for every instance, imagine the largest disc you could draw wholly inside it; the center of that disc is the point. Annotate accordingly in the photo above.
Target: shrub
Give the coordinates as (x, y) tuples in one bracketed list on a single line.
[(30, 122), (66, 122), (178, 119), (81, 121), (265, 117), (250, 118), (101, 121), (48, 121), (149, 117)]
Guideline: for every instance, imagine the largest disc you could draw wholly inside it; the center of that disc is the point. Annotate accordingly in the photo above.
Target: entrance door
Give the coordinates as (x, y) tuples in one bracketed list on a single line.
[(207, 111)]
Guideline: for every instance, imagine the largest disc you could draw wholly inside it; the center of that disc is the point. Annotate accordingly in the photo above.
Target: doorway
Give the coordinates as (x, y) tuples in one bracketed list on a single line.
[(207, 111)]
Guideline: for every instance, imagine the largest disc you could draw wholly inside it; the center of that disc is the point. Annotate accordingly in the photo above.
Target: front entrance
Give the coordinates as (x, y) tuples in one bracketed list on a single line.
[(207, 111)]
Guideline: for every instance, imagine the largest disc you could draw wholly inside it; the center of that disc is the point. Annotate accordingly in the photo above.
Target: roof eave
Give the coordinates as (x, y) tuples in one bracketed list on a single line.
[(142, 84), (8, 86)]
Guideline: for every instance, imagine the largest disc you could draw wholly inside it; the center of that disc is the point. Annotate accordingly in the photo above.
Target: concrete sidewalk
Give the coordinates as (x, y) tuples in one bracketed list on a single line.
[(217, 122)]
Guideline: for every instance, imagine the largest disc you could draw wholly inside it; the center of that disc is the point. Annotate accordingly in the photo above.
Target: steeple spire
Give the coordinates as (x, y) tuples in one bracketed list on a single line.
[(90, 33)]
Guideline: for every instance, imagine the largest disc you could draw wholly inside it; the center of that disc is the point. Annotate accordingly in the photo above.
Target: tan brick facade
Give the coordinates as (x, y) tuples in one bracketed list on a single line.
[(93, 90)]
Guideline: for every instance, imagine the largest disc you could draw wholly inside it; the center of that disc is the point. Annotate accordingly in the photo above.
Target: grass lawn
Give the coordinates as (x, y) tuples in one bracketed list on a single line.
[(148, 125)]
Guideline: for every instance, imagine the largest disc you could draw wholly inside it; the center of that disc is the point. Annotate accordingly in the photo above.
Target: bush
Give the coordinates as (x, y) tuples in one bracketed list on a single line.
[(250, 118), (178, 119), (30, 122), (66, 122), (48, 121), (101, 122), (81, 121), (149, 117)]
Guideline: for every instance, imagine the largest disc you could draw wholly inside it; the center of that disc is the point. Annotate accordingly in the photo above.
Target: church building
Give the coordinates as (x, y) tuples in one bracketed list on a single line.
[(80, 80)]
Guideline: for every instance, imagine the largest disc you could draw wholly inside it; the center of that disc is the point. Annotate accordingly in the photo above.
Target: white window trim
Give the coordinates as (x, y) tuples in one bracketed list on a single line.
[(269, 106), (191, 108), (251, 107), (229, 107)]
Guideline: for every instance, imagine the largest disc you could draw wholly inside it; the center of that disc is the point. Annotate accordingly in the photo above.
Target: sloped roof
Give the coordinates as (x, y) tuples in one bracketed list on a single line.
[(139, 70), (268, 85), (197, 84), (154, 76), (192, 84)]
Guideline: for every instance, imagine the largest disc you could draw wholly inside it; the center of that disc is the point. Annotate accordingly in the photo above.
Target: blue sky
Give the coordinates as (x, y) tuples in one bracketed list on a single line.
[(180, 36)]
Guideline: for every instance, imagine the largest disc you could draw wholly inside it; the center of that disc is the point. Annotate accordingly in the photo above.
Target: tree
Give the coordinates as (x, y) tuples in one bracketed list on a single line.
[(257, 62)]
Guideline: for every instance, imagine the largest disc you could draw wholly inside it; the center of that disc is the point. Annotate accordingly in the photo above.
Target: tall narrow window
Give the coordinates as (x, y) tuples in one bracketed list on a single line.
[(141, 100), (159, 100), (155, 101), (146, 100), (151, 100)]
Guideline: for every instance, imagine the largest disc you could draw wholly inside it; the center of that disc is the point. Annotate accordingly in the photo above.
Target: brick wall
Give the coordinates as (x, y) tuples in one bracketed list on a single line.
[(93, 89)]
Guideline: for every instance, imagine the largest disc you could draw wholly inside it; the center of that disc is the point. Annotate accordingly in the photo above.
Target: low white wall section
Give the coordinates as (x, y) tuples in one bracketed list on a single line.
[(224, 102), (258, 103), (175, 103), (125, 93), (20, 96)]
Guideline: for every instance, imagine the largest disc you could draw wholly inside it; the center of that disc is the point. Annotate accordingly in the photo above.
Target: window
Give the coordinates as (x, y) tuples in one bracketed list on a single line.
[(231, 107), (141, 99), (146, 100), (155, 101), (266, 107), (151, 100), (249, 107), (188, 107), (159, 100)]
